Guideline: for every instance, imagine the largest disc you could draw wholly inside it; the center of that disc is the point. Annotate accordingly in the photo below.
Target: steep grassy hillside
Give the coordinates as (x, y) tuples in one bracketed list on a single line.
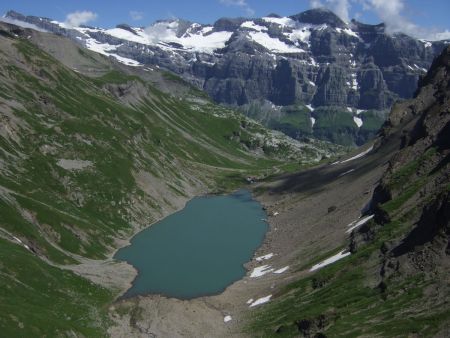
[(86, 162)]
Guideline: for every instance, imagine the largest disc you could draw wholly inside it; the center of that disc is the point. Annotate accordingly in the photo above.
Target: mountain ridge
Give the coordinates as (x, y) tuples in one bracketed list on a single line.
[(309, 59), (270, 26)]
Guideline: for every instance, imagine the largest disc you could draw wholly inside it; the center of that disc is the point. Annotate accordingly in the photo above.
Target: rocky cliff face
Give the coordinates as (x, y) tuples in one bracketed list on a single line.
[(416, 185), (312, 57), (412, 201)]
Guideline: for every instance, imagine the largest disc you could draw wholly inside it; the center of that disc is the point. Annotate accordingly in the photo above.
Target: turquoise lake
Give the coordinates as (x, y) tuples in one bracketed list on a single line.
[(199, 250)]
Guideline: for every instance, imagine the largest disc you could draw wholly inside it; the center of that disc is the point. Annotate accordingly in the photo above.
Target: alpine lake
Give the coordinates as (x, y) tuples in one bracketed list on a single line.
[(199, 250)]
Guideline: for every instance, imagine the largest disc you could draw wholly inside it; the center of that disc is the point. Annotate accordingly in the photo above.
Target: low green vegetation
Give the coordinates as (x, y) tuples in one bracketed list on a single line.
[(350, 298), (343, 300), (405, 182), (85, 161), (39, 300), (295, 121), (406, 173), (332, 123), (372, 122), (335, 124), (114, 77)]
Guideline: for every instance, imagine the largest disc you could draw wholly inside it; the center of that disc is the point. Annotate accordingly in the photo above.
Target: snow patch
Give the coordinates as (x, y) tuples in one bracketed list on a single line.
[(106, 49), (250, 301), (420, 68), (313, 63), (313, 121), (260, 301), (252, 25), (348, 31), (358, 223), (226, 319), (164, 32), (273, 44), (127, 35), (281, 270), (347, 172), (265, 257), (261, 271), (102, 48), (310, 107), (358, 121), (321, 27), (330, 260), (284, 22), (127, 61), (302, 34), (364, 153), (426, 43), (205, 43), (207, 29)]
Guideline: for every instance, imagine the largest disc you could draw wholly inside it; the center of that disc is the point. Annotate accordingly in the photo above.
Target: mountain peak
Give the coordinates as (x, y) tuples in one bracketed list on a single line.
[(19, 16), (228, 24), (319, 16), (126, 27), (14, 15), (438, 70)]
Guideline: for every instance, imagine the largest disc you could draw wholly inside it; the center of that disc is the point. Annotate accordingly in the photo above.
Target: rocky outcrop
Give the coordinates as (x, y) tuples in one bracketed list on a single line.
[(319, 16), (413, 197), (433, 229)]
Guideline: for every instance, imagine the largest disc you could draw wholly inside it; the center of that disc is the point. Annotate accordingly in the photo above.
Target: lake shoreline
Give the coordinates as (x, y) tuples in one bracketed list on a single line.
[(212, 309), (200, 275)]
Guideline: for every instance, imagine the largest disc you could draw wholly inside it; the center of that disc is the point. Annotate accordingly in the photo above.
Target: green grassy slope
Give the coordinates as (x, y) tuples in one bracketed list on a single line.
[(295, 121), (67, 116), (38, 300), (332, 123), (86, 161)]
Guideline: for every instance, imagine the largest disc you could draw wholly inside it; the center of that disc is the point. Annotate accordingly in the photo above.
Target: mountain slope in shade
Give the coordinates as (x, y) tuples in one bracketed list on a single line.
[(391, 278)]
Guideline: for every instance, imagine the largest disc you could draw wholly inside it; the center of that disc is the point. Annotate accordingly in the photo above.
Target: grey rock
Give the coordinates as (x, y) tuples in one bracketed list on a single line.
[(347, 65), (319, 16)]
